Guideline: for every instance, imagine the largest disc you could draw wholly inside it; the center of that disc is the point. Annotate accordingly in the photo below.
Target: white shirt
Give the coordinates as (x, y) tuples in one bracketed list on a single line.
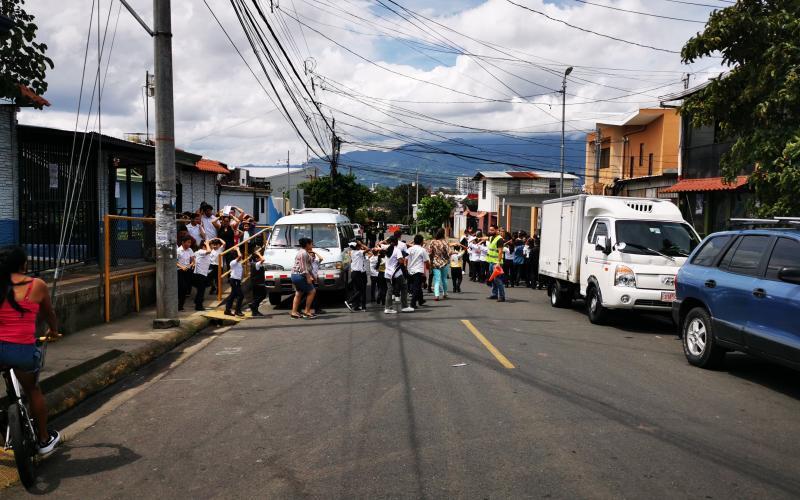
[(236, 270), (474, 252), (392, 263), (484, 253), (208, 225), (373, 266), (402, 246), (358, 262), (194, 232), (417, 257), (202, 261), (215, 255), (185, 256), (507, 253)]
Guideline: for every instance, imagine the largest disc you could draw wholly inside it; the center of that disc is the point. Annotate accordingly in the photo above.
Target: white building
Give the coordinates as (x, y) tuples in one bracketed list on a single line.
[(466, 185), (280, 181), (494, 186)]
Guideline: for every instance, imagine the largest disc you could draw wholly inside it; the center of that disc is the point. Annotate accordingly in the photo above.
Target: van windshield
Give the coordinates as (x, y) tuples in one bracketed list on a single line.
[(288, 235), (643, 237)]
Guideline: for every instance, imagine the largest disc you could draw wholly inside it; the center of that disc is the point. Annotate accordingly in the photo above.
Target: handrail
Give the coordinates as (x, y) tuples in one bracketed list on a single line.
[(245, 258)]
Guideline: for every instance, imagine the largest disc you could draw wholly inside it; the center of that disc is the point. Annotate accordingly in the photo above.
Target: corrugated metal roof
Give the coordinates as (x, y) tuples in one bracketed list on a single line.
[(705, 185), (526, 174)]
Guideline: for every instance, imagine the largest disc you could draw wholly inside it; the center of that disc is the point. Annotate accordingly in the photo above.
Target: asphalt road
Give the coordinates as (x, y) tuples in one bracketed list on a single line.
[(363, 405)]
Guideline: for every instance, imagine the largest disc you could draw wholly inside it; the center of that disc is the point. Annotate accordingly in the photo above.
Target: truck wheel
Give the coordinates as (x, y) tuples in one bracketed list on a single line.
[(699, 344), (594, 307), (558, 298), (275, 299)]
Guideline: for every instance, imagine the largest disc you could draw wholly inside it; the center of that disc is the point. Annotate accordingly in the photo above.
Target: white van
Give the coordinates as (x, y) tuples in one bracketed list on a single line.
[(331, 232), (617, 253)]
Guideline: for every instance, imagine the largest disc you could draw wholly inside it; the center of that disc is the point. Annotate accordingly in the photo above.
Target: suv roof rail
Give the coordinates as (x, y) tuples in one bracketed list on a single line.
[(315, 211), (775, 221)]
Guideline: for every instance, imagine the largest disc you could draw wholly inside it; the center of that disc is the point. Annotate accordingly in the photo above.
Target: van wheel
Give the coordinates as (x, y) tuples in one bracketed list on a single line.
[(598, 314), (558, 298), (699, 344), (275, 299)]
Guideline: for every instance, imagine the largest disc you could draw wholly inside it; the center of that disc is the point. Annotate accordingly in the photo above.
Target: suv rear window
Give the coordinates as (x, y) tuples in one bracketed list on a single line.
[(747, 256), (785, 254), (711, 250)]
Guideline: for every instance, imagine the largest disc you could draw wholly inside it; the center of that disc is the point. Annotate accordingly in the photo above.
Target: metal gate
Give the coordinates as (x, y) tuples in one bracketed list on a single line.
[(44, 186)]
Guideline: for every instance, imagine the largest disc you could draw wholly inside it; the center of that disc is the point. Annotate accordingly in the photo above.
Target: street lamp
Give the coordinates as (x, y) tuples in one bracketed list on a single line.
[(563, 121)]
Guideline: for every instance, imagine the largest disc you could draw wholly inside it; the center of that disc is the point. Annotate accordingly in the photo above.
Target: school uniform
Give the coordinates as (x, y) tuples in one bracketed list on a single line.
[(235, 279), (202, 263), (257, 281), (358, 274), (456, 270), (184, 275)]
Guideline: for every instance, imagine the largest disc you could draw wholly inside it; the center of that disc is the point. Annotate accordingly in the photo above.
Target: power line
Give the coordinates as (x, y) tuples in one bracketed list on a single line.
[(649, 14)]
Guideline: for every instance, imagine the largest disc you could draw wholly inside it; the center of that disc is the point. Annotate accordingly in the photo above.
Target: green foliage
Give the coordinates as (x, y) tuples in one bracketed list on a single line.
[(757, 104), (342, 192), (22, 59), (434, 211), (398, 201)]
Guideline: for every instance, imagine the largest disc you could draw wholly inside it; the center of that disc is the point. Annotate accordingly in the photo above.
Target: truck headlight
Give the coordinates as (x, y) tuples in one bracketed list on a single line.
[(273, 267), (327, 266), (624, 276)]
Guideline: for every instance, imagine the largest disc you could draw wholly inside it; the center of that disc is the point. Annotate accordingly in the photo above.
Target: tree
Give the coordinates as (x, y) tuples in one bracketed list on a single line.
[(434, 211), (22, 59), (343, 191), (757, 104)]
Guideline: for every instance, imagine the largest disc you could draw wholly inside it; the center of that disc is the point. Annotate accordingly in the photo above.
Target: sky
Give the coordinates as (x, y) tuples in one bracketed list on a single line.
[(458, 68)]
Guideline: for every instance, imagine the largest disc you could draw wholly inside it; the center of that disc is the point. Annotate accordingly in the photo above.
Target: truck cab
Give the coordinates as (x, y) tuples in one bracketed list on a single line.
[(616, 253)]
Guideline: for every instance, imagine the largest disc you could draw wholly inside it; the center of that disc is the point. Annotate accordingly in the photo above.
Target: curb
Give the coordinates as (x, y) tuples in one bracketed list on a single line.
[(70, 394)]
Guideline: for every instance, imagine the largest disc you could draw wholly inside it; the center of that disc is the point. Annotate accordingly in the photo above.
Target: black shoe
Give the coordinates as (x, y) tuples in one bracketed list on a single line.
[(200, 309), (492, 297), (501, 300), (228, 312), (256, 313), (240, 314)]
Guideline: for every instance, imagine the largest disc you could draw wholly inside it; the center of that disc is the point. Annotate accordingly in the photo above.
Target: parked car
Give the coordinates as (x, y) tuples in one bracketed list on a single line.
[(740, 291), (358, 230), (331, 233), (616, 253)]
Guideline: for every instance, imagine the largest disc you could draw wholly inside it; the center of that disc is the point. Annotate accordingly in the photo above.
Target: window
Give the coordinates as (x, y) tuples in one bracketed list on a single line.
[(650, 164), (599, 229), (785, 254), (641, 154), (711, 250), (631, 174), (605, 157), (747, 256), (483, 190), (554, 186), (652, 237)]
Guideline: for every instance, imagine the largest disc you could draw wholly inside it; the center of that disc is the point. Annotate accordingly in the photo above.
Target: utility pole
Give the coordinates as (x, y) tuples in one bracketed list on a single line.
[(166, 278), (288, 183), (416, 222), (563, 123), (598, 152)]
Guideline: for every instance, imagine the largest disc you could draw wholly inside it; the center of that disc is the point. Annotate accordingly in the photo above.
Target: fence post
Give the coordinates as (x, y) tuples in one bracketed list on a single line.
[(136, 290), (107, 266), (219, 277)]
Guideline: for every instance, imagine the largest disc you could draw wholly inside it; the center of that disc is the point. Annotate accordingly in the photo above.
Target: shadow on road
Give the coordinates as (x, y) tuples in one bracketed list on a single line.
[(770, 375)]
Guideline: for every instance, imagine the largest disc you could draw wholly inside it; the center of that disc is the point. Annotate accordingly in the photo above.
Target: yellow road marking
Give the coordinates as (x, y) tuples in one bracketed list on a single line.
[(492, 349)]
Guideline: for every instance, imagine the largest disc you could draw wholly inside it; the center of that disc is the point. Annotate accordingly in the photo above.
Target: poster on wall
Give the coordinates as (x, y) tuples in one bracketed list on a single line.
[(53, 170), (698, 204)]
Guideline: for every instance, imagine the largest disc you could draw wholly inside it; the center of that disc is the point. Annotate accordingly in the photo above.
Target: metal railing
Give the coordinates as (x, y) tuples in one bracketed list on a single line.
[(111, 255), (244, 247)]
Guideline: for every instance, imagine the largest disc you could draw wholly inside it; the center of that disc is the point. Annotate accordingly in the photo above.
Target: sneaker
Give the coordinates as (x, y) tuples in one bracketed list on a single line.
[(228, 312), (389, 311), (408, 309), (54, 438), (492, 297), (240, 314), (347, 305)]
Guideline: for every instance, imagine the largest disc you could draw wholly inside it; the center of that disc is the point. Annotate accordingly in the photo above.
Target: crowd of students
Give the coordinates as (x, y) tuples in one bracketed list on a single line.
[(202, 237), (520, 260)]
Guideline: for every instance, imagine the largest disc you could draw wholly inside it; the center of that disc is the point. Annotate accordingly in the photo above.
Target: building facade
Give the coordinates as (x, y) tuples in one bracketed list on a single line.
[(638, 154)]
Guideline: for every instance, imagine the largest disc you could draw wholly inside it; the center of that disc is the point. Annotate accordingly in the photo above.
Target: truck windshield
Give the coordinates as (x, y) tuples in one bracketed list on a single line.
[(648, 237), (288, 235)]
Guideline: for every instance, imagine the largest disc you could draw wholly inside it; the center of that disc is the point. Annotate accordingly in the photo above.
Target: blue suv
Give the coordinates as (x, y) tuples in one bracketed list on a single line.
[(740, 291)]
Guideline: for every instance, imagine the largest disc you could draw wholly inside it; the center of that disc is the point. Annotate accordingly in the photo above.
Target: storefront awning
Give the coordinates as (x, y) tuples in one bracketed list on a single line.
[(705, 185)]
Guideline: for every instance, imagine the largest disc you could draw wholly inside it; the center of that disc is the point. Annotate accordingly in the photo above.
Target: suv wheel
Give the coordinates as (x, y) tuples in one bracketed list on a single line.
[(699, 344), (594, 306)]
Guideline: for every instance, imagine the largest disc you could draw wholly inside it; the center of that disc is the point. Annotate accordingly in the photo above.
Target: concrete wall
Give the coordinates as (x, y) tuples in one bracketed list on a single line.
[(243, 199), (9, 174), (197, 187)]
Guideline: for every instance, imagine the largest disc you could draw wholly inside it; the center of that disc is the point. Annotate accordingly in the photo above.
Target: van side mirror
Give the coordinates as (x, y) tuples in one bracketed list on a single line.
[(603, 244), (790, 275)]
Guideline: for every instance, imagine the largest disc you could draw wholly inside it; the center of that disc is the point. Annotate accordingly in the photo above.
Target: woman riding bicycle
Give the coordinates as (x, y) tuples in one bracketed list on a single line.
[(22, 299)]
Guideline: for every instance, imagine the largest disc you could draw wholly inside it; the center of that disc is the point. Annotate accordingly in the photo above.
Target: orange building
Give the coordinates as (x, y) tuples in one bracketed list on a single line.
[(639, 154)]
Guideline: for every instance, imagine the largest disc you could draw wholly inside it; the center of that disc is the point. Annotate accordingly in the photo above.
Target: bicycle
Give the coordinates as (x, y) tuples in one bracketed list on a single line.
[(20, 435)]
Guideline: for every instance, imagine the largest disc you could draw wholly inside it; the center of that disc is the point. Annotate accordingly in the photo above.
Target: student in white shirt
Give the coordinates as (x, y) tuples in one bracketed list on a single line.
[(195, 229), (474, 247), (257, 281), (484, 269), (373, 274), (357, 301), (202, 261), (235, 280), (418, 262), (395, 277), (209, 221), (185, 262), (217, 247)]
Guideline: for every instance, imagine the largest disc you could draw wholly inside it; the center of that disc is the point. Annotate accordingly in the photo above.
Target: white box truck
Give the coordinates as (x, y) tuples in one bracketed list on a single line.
[(615, 252)]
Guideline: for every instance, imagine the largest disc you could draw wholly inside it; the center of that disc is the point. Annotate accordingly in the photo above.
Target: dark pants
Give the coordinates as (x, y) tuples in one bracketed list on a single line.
[(533, 273), (415, 283), (200, 283), (382, 289), (212, 277), (516, 273), (458, 275), (259, 294), (483, 271), (184, 286), (236, 295), (358, 294), (373, 288), (508, 266), (473, 270)]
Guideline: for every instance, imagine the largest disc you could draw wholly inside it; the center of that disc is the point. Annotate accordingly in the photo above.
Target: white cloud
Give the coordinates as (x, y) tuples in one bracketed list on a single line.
[(222, 112)]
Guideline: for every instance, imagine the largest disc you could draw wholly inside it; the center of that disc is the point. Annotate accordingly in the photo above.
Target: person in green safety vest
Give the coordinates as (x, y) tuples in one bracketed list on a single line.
[(493, 258)]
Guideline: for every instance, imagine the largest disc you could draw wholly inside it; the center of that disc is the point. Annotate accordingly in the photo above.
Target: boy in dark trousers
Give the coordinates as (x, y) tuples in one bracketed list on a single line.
[(257, 281)]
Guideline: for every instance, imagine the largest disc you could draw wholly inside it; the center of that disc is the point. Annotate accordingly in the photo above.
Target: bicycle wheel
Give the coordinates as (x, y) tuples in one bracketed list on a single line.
[(23, 443)]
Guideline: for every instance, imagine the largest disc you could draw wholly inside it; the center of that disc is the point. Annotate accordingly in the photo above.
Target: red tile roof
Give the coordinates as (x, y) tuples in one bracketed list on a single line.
[(523, 175), (212, 166), (32, 97), (705, 185)]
